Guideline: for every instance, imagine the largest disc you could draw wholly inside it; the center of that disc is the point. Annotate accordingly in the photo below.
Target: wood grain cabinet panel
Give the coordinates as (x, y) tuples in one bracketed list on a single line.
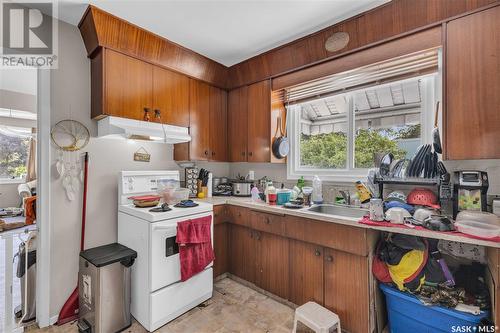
[(237, 123), (127, 87), (346, 289), (259, 122), (267, 222), (306, 273), (239, 215), (218, 124), (472, 114), (171, 96), (243, 253), (221, 248), (272, 263), (199, 115)]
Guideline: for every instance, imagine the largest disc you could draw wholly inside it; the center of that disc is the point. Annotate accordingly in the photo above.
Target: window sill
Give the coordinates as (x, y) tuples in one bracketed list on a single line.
[(12, 181), (327, 176)]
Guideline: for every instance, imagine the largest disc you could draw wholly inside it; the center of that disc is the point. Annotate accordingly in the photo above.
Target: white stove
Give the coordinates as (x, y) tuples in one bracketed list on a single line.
[(158, 296)]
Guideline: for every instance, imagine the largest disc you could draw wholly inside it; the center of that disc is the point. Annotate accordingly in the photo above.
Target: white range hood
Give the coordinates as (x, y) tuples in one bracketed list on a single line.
[(141, 130)]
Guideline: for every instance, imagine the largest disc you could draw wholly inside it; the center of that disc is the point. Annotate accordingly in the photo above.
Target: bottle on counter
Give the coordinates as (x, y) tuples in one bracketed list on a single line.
[(301, 183), (270, 190), (317, 194), (363, 193), (255, 194)]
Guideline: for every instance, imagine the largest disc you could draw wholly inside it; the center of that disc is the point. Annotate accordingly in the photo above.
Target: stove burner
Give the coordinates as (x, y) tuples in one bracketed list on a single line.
[(186, 204), (160, 209)]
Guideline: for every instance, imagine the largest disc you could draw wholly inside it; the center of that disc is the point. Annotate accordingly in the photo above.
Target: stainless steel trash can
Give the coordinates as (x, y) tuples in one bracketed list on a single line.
[(104, 288)]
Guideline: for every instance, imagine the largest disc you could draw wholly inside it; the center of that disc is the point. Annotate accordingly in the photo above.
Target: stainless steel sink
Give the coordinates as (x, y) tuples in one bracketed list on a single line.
[(339, 210)]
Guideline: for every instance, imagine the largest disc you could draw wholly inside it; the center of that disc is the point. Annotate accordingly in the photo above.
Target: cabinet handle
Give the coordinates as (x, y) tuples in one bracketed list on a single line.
[(146, 116), (268, 221), (317, 253), (206, 152), (213, 153), (250, 154), (158, 115), (258, 236), (251, 234), (329, 258)]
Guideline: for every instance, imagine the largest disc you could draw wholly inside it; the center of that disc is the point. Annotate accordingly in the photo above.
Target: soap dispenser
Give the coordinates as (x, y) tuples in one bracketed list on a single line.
[(317, 195)]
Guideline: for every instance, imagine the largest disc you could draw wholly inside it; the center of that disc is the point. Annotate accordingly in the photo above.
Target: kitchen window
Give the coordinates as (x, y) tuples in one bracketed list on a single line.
[(14, 149), (339, 135)]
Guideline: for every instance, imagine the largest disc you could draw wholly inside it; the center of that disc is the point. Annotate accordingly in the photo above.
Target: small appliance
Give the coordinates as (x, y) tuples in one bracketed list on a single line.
[(242, 188), (469, 191)]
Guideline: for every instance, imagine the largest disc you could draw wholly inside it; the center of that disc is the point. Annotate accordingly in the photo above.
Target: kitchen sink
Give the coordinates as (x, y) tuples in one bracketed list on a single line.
[(339, 210)]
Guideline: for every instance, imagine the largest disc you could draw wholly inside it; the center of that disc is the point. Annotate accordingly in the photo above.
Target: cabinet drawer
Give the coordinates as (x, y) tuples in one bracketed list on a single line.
[(267, 222), (336, 236), (220, 214), (238, 215)]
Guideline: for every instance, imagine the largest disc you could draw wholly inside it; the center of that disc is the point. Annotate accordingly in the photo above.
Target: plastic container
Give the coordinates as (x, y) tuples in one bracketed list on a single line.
[(283, 196), (483, 217), (407, 314), (317, 195), (478, 229), (180, 194)]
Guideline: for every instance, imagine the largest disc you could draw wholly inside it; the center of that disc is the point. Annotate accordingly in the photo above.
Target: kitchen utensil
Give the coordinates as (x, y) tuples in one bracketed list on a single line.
[(145, 200), (397, 215), (392, 204), (283, 196), (160, 209), (385, 164), (181, 194), (438, 223), (423, 197), (436, 139), (376, 210), (396, 196), (281, 144), (422, 213), (483, 217), (70, 135), (186, 204)]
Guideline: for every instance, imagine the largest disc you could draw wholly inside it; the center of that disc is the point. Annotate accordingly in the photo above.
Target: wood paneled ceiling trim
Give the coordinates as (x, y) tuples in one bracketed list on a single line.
[(102, 29)]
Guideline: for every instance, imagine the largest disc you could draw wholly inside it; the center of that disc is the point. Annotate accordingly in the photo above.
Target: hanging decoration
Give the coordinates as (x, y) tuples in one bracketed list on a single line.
[(142, 155)]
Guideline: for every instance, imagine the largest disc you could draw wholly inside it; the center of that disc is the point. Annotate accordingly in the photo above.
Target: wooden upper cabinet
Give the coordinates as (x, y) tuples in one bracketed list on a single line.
[(171, 96), (199, 100), (218, 124), (127, 88), (472, 112), (237, 124), (259, 122), (346, 289)]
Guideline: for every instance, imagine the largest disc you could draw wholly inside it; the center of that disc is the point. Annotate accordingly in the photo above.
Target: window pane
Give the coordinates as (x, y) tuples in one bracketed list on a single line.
[(387, 120), (13, 155), (323, 137)]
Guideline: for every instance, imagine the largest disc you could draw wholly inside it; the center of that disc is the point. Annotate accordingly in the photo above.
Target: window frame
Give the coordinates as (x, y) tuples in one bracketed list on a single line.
[(10, 181), (431, 93)]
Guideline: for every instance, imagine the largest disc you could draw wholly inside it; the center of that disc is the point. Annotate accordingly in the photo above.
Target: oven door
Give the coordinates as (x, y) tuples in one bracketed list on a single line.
[(165, 264)]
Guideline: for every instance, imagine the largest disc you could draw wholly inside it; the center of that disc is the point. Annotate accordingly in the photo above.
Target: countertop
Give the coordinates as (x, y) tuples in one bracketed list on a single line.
[(303, 212)]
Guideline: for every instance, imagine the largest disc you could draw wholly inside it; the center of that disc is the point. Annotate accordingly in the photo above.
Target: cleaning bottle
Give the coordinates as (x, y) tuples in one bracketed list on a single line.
[(301, 183), (317, 195), (363, 192)]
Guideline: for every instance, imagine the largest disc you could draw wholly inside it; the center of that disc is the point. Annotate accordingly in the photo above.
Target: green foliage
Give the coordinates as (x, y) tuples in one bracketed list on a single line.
[(13, 154), (330, 150)]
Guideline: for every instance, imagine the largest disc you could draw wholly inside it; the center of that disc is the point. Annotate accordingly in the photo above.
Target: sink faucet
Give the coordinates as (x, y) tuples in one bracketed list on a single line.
[(346, 195)]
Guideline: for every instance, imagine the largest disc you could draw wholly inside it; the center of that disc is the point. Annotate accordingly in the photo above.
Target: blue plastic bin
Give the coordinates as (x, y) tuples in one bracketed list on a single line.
[(407, 314)]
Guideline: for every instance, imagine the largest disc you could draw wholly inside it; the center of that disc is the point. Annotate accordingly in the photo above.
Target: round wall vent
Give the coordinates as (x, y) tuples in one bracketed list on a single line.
[(337, 41)]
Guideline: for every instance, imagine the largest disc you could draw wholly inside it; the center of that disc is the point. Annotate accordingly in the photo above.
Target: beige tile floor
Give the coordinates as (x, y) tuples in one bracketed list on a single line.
[(233, 308)]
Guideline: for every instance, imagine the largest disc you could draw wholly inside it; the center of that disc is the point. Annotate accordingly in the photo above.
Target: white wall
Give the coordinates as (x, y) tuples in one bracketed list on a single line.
[(9, 197), (70, 87)]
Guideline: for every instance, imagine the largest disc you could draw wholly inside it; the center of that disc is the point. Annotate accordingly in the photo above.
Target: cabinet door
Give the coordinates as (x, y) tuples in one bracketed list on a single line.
[(306, 273), (218, 124), (199, 120), (171, 96), (127, 87), (221, 248), (272, 263), (259, 122), (243, 253), (346, 289), (472, 117), (237, 124)]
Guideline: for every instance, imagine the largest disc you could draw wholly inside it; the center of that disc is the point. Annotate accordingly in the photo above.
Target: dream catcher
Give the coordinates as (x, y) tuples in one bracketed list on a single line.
[(70, 136)]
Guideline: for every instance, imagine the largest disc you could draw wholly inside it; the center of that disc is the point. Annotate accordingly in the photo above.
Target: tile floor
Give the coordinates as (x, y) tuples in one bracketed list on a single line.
[(233, 308)]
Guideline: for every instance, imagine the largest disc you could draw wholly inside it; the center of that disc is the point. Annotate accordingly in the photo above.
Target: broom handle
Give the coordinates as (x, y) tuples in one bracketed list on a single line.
[(436, 115), (84, 208)]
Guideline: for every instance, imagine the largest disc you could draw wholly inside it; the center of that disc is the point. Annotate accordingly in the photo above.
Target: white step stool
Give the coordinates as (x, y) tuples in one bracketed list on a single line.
[(317, 318)]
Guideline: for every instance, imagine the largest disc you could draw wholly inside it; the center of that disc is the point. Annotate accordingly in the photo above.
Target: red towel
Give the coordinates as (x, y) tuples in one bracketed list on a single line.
[(195, 246)]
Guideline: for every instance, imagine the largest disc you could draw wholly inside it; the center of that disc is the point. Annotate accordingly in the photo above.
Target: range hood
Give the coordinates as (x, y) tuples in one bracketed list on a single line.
[(141, 130)]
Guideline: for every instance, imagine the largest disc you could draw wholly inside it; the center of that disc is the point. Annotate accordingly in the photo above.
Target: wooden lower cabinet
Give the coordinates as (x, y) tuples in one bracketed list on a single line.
[(221, 248), (346, 289), (306, 273), (242, 252), (272, 253)]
